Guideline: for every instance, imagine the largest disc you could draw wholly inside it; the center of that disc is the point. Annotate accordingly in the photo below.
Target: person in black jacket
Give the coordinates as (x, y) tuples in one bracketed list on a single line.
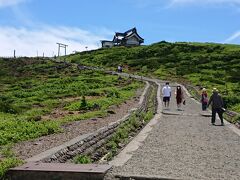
[(217, 106)]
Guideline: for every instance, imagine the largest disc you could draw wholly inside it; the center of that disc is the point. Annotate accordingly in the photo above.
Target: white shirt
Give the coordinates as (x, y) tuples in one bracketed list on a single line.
[(166, 91)]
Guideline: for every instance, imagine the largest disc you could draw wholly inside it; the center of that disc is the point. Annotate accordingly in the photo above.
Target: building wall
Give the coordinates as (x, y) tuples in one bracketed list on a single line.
[(107, 44), (132, 41)]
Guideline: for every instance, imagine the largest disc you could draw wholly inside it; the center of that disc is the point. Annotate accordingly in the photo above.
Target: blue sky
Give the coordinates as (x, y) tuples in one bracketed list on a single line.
[(33, 27)]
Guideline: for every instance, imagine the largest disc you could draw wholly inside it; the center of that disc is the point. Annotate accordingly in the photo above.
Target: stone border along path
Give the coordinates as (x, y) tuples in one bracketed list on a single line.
[(87, 142), (39, 166), (180, 145)]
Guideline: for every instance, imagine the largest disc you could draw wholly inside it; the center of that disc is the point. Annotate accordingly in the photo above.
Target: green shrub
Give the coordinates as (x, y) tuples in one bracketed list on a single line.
[(82, 159), (6, 105), (113, 92), (83, 104), (111, 145), (231, 100), (5, 164), (122, 133)]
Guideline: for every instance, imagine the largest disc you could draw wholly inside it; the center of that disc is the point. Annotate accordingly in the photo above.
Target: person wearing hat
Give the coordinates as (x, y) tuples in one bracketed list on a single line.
[(217, 106), (204, 99)]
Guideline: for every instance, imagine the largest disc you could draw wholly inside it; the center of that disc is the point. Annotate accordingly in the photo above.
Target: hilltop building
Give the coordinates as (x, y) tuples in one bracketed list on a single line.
[(128, 38)]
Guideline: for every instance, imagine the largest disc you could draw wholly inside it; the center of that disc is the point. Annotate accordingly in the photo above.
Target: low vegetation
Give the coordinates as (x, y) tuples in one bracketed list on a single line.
[(200, 64), (123, 134), (82, 159), (33, 89)]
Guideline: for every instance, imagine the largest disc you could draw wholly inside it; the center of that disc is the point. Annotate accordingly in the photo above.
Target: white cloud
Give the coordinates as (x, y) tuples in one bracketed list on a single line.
[(27, 42), (233, 37), (5, 3), (203, 2)]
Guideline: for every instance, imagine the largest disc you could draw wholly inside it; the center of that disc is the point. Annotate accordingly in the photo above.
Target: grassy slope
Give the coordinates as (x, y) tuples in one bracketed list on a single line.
[(205, 64), (33, 88)]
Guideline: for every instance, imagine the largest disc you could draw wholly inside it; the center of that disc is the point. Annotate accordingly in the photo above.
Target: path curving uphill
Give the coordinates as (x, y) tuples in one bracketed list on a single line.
[(182, 145)]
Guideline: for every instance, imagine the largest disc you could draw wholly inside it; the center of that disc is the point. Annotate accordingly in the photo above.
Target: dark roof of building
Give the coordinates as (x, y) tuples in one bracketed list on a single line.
[(119, 36)]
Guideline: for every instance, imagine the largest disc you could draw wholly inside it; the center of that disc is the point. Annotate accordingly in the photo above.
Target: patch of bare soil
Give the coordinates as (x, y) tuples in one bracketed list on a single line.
[(61, 112), (71, 130), (58, 113)]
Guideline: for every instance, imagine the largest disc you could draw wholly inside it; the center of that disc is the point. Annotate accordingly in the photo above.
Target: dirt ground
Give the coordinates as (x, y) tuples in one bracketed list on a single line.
[(71, 130)]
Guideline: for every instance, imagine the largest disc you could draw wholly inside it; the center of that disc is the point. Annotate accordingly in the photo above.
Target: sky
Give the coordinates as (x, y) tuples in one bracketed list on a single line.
[(33, 27)]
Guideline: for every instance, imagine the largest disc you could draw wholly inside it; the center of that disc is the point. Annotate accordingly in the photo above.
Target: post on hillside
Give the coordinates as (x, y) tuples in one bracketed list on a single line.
[(14, 53), (58, 50)]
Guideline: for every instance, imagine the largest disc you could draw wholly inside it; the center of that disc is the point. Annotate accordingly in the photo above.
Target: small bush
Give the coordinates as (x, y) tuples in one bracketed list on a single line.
[(236, 119), (111, 145), (83, 104), (113, 93), (231, 100), (6, 106), (82, 159), (5, 164)]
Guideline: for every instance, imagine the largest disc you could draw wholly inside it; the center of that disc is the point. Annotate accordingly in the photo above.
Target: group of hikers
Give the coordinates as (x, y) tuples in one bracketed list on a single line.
[(167, 93), (215, 100)]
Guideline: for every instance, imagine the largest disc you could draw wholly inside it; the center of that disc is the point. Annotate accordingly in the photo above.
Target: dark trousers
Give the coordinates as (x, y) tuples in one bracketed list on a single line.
[(204, 106), (220, 114)]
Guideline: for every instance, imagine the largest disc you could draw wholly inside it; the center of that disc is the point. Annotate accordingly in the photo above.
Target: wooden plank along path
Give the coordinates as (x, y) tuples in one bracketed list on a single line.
[(40, 171)]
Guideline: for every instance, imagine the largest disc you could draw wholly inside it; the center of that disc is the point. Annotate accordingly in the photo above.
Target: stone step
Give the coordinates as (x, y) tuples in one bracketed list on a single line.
[(58, 171)]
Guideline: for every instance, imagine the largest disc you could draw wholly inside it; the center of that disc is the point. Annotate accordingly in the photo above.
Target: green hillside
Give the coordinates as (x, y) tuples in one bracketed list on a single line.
[(201, 64), (31, 90)]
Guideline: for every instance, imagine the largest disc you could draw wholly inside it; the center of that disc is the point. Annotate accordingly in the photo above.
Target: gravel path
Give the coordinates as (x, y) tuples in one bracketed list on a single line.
[(185, 146), (71, 130)]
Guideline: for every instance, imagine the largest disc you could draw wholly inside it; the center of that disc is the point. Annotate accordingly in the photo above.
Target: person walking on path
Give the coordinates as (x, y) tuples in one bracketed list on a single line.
[(204, 99), (166, 92), (217, 106), (119, 69), (179, 96)]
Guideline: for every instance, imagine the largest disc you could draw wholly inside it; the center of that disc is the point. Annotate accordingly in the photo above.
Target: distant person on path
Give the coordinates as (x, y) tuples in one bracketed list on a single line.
[(179, 96), (119, 69), (217, 106), (204, 99), (166, 92)]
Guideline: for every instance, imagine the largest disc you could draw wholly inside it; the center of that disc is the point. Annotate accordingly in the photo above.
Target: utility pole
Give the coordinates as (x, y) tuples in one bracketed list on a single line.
[(14, 53), (61, 45)]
